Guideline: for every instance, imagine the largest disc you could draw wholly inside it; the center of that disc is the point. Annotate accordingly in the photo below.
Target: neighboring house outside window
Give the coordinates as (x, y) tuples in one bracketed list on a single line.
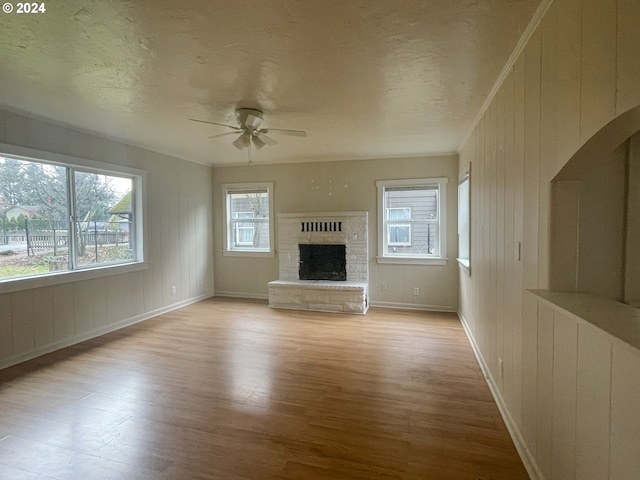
[(411, 221), (244, 231), (248, 218), (399, 232)]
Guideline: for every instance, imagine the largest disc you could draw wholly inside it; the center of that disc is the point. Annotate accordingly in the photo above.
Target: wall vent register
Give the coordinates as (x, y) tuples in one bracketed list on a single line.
[(321, 226)]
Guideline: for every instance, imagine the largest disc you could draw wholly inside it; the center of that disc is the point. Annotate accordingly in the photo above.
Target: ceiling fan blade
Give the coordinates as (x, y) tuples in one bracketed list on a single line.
[(257, 142), (243, 141), (281, 131), (215, 123), (266, 139), (223, 134)]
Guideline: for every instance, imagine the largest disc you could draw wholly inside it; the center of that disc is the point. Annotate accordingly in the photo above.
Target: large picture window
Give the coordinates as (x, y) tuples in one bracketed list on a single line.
[(411, 221), (58, 217), (248, 214)]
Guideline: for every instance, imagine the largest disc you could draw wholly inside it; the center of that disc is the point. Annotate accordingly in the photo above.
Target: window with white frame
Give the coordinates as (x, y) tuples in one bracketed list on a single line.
[(464, 222), (411, 221), (248, 214), (57, 217)]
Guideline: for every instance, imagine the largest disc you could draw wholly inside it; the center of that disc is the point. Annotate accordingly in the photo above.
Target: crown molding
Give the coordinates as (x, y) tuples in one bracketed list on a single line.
[(520, 46)]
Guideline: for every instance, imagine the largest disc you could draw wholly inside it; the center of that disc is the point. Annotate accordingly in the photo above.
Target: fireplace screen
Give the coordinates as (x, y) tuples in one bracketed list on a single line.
[(323, 262)]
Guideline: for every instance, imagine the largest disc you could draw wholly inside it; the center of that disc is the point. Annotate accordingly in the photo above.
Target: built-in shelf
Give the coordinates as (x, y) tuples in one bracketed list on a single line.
[(617, 319)]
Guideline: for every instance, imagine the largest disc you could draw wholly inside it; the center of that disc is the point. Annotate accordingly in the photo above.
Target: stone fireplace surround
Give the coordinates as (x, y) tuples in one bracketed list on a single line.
[(348, 228)]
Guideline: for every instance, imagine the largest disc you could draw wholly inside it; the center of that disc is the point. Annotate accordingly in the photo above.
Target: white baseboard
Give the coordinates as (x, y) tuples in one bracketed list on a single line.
[(527, 459), (396, 305), (52, 347), (413, 306)]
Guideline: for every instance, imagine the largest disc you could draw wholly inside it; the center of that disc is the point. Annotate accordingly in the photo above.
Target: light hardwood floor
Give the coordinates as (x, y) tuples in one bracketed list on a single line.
[(230, 389)]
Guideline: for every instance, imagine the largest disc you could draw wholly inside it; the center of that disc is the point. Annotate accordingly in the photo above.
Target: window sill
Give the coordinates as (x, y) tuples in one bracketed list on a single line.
[(412, 260), (464, 265), (242, 253), (26, 283)]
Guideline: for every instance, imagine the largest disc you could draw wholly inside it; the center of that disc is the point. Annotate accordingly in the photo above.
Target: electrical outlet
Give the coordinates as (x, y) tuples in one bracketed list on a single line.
[(501, 367), (416, 291), (383, 286), (174, 290)]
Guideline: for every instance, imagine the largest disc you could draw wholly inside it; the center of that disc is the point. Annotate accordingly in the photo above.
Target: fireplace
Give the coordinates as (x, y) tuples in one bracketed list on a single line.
[(323, 262)]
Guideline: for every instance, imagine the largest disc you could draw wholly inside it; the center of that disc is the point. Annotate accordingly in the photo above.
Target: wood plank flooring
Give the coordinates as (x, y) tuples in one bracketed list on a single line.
[(230, 389)]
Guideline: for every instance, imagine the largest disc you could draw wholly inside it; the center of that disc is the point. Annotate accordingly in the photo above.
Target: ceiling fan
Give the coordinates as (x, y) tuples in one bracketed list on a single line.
[(249, 121)]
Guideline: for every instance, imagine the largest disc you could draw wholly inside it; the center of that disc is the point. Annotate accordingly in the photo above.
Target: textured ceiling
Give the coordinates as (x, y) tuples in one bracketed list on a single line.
[(364, 78)]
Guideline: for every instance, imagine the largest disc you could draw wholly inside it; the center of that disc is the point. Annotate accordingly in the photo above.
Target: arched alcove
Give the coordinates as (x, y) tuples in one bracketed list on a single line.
[(595, 215)]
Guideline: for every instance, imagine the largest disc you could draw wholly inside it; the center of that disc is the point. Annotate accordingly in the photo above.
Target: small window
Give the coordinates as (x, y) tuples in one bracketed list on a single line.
[(248, 215), (411, 222), (464, 222)]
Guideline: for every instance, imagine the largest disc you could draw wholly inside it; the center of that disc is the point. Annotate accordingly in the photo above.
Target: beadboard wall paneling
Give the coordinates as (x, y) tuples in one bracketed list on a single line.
[(179, 238), (578, 71)]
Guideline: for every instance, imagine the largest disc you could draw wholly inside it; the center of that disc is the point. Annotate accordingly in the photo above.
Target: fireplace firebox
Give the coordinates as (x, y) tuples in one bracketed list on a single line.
[(323, 262)]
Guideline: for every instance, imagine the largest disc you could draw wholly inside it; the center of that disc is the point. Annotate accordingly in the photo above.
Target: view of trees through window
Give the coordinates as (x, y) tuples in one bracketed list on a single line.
[(58, 218), (248, 220)]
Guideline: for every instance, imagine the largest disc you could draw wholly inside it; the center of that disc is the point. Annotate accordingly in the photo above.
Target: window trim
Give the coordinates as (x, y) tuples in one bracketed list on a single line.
[(226, 231), (441, 222), (139, 178)]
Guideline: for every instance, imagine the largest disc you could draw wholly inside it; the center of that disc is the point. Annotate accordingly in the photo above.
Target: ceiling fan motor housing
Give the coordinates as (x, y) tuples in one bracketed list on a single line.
[(249, 118)]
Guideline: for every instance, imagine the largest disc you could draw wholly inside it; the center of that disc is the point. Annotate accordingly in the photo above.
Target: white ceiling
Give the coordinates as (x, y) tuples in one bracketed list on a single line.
[(364, 78)]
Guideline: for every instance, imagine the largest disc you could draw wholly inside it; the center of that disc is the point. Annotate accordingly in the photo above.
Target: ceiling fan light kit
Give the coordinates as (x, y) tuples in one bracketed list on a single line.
[(249, 121)]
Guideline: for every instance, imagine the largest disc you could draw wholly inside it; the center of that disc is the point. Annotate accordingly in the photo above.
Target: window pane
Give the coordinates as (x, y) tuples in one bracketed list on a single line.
[(35, 234), (421, 203), (244, 231), (104, 219), (249, 214), (463, 219), (418, 204), (250, 203), (400, 234), (421, 241)]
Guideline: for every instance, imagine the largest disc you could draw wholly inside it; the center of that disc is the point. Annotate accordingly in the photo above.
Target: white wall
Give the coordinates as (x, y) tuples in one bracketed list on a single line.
[(335, 187), (579, 71), (179, 239)]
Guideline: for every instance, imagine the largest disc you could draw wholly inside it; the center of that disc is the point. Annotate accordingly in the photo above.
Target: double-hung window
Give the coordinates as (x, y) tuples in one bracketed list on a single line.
[(411, 221), (248, 218), (57, 216)]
